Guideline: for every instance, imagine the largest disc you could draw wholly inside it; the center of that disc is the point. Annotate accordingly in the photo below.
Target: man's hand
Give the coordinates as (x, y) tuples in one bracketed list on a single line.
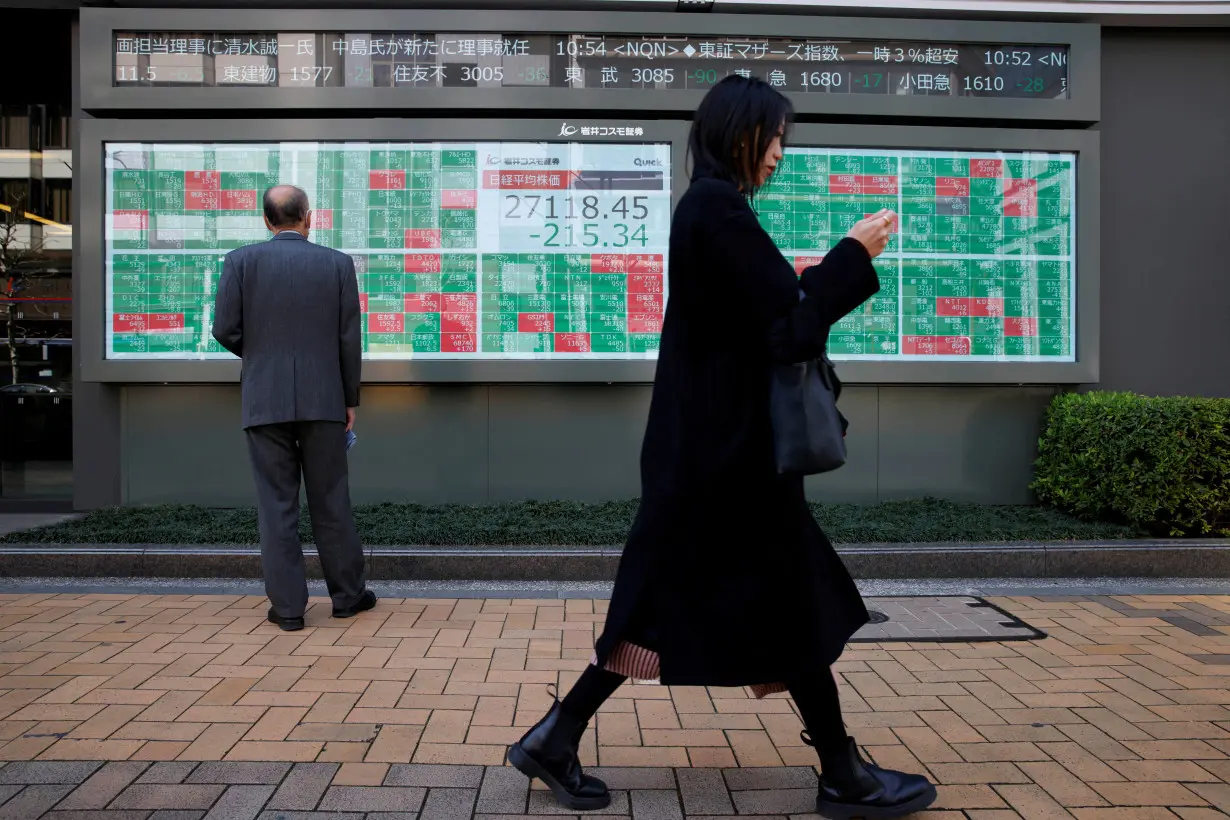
[(349, 419)]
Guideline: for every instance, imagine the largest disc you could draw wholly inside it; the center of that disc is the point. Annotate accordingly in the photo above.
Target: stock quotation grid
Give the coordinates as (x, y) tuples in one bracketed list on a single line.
[(982, 263), (462, 250)]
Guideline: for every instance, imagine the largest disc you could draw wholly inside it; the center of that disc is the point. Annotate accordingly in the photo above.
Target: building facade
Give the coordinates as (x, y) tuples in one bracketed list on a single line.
[(1059, 168)]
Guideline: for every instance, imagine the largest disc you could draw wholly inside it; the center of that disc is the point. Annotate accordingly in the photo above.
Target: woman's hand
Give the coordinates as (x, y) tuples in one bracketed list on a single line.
[(874, 231)]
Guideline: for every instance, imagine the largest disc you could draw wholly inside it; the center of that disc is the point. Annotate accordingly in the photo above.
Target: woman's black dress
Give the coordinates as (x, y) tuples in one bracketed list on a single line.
[(726, 578)]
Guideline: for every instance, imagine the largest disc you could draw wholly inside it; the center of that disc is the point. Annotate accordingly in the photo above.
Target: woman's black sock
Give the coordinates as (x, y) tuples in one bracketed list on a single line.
[(589, 693), (820, 706)]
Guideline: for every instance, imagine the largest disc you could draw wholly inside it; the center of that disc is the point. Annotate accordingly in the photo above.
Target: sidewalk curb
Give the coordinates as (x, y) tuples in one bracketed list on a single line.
[(1068, 559)]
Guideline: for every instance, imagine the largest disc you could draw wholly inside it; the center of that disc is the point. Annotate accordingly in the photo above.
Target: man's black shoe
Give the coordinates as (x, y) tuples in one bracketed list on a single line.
[(366, 601), (285, 624)]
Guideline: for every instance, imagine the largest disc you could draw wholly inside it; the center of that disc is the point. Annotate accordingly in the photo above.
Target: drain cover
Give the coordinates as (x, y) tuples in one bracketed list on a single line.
[(941, 618)]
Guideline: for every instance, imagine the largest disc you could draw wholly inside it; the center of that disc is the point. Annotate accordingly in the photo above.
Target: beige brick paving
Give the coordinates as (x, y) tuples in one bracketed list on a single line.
[(1122, 712)]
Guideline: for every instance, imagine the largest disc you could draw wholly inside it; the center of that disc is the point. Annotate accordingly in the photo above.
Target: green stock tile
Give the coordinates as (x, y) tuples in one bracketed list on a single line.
[(951, 167), (459, 283), (988, 345), (615, 343), (497, 322), (458, 158), (422, 323), (518, 343), (388, 160), (640, 342)]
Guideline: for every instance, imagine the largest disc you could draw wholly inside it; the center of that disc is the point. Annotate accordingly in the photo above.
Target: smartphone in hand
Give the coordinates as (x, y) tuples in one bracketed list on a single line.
[(351, 438)]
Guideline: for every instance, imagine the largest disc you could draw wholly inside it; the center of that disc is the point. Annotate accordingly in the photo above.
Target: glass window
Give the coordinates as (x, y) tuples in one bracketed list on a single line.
[(58, 131), (15, 191), (15, 127), (59, 193)]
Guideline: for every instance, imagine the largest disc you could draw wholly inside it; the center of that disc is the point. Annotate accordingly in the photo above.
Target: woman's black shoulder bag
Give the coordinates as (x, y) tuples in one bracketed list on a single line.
[(809, 434)]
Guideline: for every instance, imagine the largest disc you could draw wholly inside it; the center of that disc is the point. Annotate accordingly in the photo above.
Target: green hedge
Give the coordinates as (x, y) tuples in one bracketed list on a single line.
[(558, 523), (1158, 464)]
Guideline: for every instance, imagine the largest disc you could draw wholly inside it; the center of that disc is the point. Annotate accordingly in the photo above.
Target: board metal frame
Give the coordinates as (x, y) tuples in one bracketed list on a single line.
[(99, 95), (91, 240)]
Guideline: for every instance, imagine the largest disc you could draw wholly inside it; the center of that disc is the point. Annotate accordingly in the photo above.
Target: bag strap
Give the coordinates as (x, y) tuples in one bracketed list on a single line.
[(826, 372), (831, 380)]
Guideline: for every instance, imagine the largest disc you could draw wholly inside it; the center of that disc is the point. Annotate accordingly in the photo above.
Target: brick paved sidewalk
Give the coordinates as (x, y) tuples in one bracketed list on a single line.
[(202, 707)]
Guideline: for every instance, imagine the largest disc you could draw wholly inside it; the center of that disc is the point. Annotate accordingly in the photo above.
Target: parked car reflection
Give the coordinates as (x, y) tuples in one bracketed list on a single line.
[(28, 389)]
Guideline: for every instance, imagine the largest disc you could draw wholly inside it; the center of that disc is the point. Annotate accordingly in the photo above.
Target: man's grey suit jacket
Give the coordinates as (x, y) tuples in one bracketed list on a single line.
[(290, 309)]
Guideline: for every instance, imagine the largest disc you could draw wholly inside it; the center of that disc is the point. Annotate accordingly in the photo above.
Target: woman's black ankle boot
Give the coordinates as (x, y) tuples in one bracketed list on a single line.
[(852, 787), (548, 752)]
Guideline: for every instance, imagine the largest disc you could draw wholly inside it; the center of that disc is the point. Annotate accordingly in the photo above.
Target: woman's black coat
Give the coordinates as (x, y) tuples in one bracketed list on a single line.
[(726, 574)]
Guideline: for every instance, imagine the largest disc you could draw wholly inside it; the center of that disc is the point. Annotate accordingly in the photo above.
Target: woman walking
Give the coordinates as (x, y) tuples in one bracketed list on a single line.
[(726, 579)]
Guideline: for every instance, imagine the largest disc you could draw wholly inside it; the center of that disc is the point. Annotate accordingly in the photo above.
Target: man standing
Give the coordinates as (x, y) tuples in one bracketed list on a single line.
[(290, 310)]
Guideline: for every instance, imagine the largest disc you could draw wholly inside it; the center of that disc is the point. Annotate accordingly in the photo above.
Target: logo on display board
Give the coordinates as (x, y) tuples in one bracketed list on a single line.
[(566, 130)]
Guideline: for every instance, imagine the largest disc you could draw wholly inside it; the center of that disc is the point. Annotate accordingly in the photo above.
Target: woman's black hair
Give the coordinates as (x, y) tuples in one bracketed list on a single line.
[(733, 127)]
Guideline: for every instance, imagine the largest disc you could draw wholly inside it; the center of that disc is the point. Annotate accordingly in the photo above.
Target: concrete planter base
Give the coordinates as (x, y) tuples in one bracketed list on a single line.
[(1138, 559)]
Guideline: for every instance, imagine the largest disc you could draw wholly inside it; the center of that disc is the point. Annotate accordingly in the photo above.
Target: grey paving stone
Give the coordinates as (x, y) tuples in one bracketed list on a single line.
[(776, 801), (543, 802), (449, 804), (240, 803), (103, 786), (167, 772), (47, 772), (895, 630), (791, 777), (1192, 626), (1105, 600), (427, 775), (632, 778), (1214, 615), (176, 814), (8, 791), (391, 815), (957, 621), (1212, 660), (1205, 620), (240, 773), (163, 796), (310, 815), (504, 791), (97, 814), (372, 798), (656, 804), (704, 792), (32, 801), (304, 786)]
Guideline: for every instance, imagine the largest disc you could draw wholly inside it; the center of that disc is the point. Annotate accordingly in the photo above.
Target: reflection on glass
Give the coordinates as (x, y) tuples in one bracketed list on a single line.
[(36, 312), (491, 250), (982, 266)]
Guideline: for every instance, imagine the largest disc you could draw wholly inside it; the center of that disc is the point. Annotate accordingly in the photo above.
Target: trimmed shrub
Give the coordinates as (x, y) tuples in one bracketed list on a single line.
[(563, 523), (1159, 464)]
